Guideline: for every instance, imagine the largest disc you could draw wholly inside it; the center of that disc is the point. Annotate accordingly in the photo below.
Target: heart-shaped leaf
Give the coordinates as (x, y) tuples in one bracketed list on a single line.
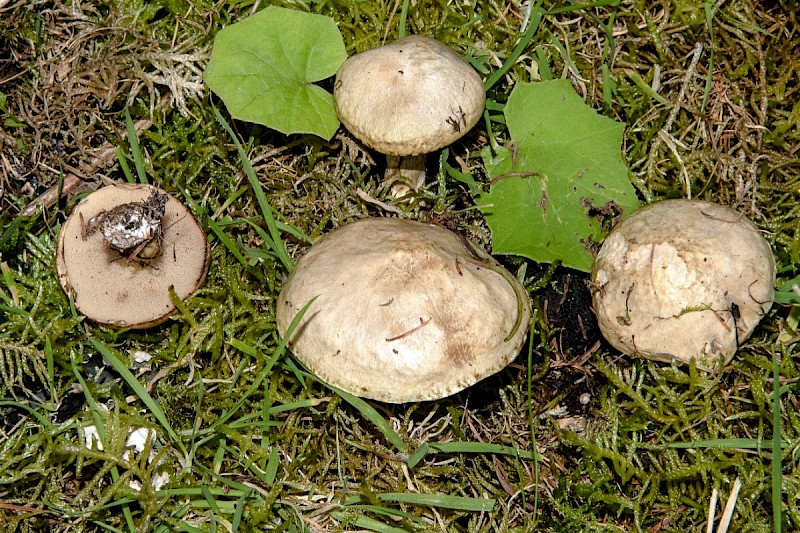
[(264, 66), (556, 194)]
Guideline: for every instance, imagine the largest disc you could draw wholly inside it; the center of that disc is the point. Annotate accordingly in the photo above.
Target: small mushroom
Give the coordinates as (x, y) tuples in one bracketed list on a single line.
[(406, 99), (405, 312), (121, 250), (683, 279)]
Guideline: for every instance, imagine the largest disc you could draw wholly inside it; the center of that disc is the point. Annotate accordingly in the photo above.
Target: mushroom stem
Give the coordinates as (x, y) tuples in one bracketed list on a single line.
[(404, 175)]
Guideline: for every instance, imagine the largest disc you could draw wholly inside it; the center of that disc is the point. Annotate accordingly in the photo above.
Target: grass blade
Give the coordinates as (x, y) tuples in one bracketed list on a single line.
[(482, 447), (730, 505), (123, 163), (138, 389), (40, 418), (373, 416), (360, 405), (101, 431), (444, 501), (712, 511), (275, 243), (279, 350), (136, 152), (418, 455), (371, 524), (469, 447), (403, 19), (234, 249), (745, 444), (777, 459), (521, 46)]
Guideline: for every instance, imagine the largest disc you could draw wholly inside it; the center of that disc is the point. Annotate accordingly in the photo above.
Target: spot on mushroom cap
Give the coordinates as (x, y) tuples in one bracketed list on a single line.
[(110, 290), (404, 311), (683, 279), (410, 97)]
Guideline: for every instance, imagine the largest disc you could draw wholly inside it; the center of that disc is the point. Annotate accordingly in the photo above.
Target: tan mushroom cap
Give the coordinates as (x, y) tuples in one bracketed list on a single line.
[(410, 97), (406, 312), (110, 290), (683, 279)]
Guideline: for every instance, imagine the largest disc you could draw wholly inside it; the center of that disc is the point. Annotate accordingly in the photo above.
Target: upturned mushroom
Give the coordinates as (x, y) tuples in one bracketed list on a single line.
[(405, 311), (683, 279), (406, 99), (121, 250)]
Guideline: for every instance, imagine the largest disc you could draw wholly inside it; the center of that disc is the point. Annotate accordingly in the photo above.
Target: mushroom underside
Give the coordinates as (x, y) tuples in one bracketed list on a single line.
[(112, 288)]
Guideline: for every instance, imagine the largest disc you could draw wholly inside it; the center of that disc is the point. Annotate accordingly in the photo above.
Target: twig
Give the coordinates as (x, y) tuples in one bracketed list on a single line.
[(712, 509), (383, 205), (422, 323), (654, 148), (729, 506), (103, 157)]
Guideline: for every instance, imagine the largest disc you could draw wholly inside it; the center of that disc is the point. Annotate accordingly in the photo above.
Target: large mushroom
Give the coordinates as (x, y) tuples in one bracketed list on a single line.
[(683, 279), (122, 249), (406, 99), (405, 311)]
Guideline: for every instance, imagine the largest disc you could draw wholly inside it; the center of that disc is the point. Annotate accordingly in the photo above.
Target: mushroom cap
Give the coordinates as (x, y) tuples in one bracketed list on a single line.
[(410, 97), (405, 311), (111, 290), (682, 279)]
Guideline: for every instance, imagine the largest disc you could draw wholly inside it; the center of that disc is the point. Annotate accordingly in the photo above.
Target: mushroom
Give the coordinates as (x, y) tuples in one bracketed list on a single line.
[(406, 99), (121, 250), (405, 311), (683, 279)]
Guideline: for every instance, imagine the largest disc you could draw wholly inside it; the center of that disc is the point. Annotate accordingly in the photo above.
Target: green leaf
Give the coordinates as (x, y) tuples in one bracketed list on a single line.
[(444, 501), (264, 66), (732, 443), (555, 195), (784, 295)]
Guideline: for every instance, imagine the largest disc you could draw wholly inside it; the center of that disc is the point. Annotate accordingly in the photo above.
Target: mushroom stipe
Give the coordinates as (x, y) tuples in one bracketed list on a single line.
[(138, 245)]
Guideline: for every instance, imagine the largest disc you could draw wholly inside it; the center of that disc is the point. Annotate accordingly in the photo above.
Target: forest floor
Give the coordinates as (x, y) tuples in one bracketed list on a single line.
[(572, 436)]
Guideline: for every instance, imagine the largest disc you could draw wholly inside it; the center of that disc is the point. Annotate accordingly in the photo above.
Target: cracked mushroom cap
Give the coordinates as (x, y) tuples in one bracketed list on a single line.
[(410, 97), (405, 312), (683, 279), (112, 290)]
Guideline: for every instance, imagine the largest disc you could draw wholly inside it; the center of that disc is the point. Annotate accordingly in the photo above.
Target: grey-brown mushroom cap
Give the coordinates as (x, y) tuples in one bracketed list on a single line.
[(405, 311), (410, 97), (683, 279), (110, 290)]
